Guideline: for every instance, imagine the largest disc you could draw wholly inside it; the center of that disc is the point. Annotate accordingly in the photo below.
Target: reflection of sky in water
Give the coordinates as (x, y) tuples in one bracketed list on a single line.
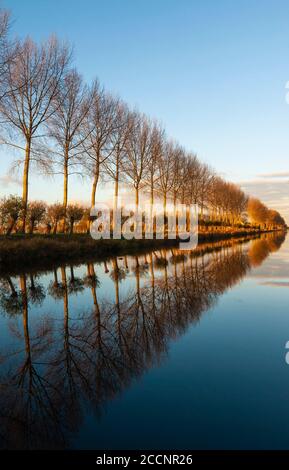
[(215, 377)]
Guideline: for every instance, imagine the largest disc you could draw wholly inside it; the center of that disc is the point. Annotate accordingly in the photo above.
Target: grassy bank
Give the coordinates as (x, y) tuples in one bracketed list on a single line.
[(46, 250), (20, 252)]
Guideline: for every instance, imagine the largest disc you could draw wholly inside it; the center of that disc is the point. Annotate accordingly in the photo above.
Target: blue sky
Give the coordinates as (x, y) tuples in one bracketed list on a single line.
[(213, 72)]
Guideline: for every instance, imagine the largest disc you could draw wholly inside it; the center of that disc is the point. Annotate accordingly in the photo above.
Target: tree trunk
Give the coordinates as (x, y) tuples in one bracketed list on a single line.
[(94, 185), (202, 211), (152, 198), (137, 197), (25, 182), (165, 215), (31, 229), (175, 199), (116, 184), (10, 227), (93, 194), (183, 196), (65, 188), (165, 203), (116, 187), (55, 227)]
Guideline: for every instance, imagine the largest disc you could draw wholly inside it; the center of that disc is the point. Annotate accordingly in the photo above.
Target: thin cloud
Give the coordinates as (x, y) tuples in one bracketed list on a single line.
[(275, 284), (9, 180), (281, 174)]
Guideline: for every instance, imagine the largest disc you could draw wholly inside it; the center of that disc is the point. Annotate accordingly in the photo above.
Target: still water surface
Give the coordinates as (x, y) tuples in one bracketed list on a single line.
[(154, 351)]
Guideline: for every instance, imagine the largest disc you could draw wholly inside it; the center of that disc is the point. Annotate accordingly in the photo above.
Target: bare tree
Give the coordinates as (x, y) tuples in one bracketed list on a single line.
[(205, 179), (157, 142), (179, 173), (33, 82), (138, 151), (194, 171), (99, 127), (166, 174), (66, 126), (114, 165)]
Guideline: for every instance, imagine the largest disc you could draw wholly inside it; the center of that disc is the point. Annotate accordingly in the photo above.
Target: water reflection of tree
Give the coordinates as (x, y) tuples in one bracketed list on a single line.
[(67, 367), (36, 291), (261, 248), (76, 284), (28, 415), (57, 367), (10, 297)]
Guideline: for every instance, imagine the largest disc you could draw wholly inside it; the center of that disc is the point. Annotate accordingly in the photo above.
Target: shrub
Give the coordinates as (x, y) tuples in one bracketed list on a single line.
[(10, 211)]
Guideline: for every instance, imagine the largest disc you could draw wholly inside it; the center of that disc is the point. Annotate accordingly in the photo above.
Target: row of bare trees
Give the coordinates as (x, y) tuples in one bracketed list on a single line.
[(63, 126), (44, 218), (261, 215)]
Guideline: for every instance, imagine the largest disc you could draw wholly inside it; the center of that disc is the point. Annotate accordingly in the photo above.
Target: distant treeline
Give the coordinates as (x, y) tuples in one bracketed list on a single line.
[(61, 125)]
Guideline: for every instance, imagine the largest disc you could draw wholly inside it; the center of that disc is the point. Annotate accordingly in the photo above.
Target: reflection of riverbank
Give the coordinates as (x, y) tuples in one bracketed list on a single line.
[(60, 359), (17, 253)]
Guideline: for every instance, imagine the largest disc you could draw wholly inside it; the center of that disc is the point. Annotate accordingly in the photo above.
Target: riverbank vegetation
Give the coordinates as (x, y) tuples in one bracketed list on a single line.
[(21, 252), (30, 251), (58, 124)]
